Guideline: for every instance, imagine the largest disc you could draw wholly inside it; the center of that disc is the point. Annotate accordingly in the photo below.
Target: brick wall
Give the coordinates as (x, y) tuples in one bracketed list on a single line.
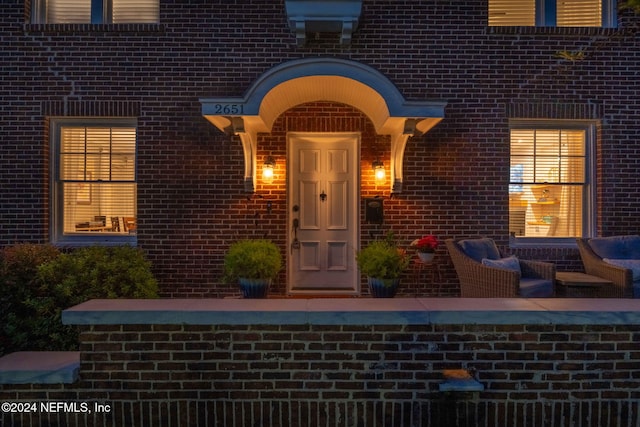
[(315, 375), (191, 197)]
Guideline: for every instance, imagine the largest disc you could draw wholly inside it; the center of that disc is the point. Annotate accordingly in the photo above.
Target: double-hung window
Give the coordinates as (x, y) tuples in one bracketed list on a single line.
[(552, 13), (551, 181), (94, 181), (95, 11)]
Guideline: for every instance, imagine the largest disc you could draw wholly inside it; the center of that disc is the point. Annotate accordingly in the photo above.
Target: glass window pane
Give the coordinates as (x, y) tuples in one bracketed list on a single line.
[(547, 142), (72, 167), (572, 142), (73, 140), (547, 169), (572, 169), (512, 13), (68, 11), (136, 11), (579, 13), (522, 142), (95, 207)]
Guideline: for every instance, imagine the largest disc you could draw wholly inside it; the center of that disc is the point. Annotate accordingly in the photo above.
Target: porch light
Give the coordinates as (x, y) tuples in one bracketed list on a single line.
[(378, 170), (267, 168)]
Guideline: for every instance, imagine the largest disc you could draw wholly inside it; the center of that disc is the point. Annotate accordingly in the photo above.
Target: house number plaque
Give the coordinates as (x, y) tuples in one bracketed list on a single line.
[(228, 109)]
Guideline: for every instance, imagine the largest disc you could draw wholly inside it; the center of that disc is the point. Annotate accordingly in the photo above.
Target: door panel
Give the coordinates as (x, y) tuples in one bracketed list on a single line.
[(310, 215), (337, 210), (323, 183)]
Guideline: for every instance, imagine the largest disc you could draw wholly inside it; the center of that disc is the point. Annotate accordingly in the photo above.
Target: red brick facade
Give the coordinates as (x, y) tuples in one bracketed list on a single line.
[(191, 199), (374, 376)]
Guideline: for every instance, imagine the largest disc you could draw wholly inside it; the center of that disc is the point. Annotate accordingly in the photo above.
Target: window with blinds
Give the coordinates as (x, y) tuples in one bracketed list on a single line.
[(95, 183), (548, 182), (133, 11), (68, 11), (96, 11), (579, 13), (512, 13), (552, 13)]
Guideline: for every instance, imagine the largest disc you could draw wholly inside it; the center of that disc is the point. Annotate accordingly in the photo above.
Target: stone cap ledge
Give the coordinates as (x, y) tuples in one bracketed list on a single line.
[(355, 311), (40, 367)]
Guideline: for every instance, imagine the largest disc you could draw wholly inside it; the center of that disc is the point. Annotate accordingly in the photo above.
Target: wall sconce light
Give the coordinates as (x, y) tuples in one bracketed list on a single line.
[(378, 170), (267, 168)]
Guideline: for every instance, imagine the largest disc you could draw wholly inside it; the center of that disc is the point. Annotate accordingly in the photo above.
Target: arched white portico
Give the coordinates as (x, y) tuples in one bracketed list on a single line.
[(322, 79)]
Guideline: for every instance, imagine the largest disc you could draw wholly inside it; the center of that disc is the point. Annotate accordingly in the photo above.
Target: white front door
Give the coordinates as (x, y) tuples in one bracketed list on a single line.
[(323, 212)]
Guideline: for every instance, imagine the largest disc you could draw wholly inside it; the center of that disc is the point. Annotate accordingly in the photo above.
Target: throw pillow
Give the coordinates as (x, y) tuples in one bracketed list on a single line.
[(480, 248), (616, 247), (508, 263)]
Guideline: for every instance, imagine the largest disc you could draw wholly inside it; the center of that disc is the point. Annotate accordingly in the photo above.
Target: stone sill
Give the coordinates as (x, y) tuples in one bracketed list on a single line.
[(356, 311)]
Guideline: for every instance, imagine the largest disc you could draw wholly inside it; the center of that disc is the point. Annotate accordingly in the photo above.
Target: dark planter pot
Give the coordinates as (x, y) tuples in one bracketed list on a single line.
[(254, 288), (383, 288)]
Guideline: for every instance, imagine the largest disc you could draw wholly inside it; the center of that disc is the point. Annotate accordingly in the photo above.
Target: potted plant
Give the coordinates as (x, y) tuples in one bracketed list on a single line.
[(383, 263), (426, 247), (254, 264)]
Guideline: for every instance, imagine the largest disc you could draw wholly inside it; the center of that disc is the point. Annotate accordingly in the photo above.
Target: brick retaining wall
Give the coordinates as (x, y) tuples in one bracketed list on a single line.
[(308, 374), (382, 375)]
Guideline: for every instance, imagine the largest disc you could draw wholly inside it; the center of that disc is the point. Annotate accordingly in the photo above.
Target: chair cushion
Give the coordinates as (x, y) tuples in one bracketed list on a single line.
[(480, 248), (536, 288), (616, 247), (508, 263), (630, 264)]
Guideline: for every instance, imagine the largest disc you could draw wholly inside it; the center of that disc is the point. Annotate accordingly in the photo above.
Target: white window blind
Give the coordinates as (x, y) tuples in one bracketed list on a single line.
[(68, 11), (579, 13), (125, 11), (512, 13)]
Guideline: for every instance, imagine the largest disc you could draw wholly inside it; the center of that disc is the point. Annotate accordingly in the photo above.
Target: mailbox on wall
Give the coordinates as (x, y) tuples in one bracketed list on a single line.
[(374, 210)]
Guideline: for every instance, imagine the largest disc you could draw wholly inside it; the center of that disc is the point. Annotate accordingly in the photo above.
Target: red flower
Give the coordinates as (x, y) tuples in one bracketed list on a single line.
[(426, 244)]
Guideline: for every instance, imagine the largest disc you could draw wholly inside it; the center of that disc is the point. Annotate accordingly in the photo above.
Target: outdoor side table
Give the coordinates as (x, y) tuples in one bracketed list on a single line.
[(430, 268), (572, 284)]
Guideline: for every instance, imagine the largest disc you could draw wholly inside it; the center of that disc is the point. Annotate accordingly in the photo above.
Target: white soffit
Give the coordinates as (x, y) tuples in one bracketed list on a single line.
[(323, 88)]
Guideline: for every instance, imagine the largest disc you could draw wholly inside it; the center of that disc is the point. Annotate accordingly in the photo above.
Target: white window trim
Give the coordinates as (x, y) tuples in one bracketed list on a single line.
[(589, 192), (56, 233)]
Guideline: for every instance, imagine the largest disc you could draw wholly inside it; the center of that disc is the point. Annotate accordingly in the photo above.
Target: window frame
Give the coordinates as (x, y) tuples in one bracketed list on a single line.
[(589, 189), (546, 15), (56, 199)]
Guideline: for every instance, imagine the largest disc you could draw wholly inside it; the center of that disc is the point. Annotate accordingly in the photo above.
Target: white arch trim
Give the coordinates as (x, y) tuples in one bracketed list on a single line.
[(322, 79)]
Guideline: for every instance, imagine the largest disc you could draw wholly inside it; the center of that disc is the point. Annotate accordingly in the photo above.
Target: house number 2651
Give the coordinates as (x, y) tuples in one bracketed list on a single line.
[(228, 108)]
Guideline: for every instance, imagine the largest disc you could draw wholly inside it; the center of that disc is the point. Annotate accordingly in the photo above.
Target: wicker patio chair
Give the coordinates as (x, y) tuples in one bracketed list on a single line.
[(481, 281), (622, 278)]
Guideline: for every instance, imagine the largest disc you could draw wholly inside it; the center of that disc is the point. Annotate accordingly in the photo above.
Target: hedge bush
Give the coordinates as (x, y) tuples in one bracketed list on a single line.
[(18, 284), (56, 281)]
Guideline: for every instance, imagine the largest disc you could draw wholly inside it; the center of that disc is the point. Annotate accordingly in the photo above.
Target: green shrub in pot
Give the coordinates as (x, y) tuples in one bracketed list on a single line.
[(254, 263), (383, 263)]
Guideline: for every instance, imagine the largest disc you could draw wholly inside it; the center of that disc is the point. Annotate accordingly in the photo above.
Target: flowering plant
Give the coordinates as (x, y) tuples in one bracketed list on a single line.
[(425, 244)]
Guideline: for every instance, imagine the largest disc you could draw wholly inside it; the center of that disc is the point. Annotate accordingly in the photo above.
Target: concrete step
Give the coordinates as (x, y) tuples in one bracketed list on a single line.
[(40, 367)]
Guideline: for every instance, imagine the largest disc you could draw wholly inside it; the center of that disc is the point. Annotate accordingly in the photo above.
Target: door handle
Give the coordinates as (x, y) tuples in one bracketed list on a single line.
[(323, 196)]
